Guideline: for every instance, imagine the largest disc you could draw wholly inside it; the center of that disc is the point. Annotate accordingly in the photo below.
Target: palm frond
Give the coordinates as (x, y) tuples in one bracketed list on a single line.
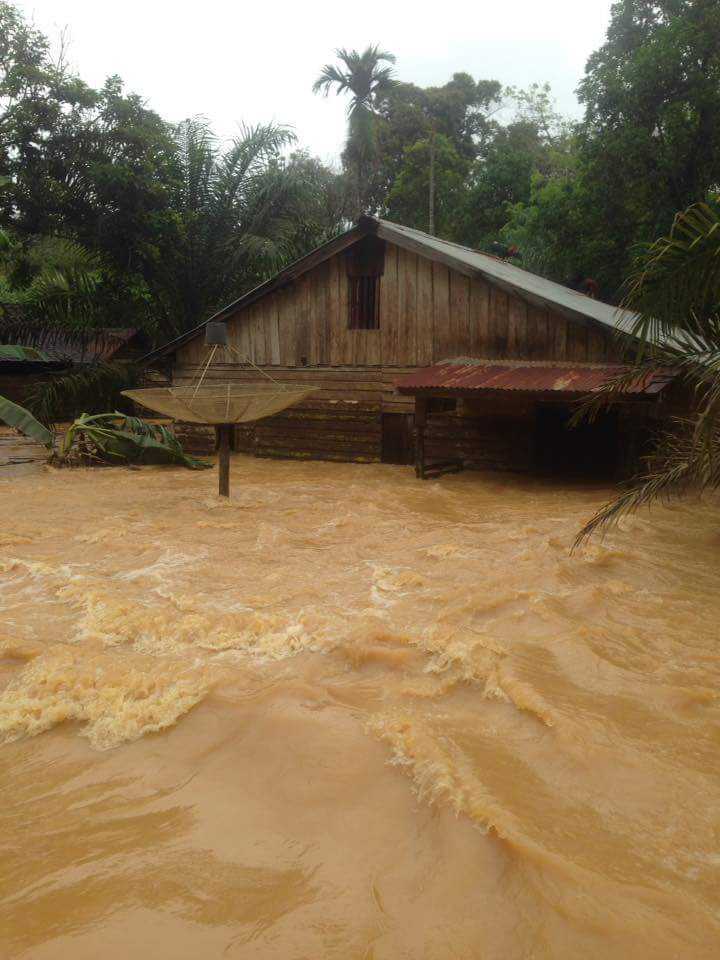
[(659, 366), (89, 389), (246, 161), (677, 465), (331, 77), (363, 76), (675, 293), (57, 289), (676, 280), (197, 149)]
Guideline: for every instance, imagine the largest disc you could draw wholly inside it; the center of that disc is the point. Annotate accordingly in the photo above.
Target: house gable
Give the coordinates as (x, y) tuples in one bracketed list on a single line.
[(429, 311)]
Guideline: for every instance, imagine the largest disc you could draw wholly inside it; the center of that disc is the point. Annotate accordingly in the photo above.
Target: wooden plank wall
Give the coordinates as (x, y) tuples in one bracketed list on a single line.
[(490, 434), (481, 443), (428, 313)]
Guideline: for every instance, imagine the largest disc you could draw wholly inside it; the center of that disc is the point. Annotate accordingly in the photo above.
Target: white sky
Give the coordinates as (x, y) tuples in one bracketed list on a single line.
[(256, 61)]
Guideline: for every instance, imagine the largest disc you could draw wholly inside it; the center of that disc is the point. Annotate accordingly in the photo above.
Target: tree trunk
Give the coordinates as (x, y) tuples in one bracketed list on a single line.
[(431, 192)]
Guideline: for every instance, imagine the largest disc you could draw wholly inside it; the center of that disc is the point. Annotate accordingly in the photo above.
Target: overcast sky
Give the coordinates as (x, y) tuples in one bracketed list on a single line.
[(256, 61)]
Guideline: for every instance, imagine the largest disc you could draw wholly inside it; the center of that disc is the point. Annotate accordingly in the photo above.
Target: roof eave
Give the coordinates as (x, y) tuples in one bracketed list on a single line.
[(386, 232), (364, 226)]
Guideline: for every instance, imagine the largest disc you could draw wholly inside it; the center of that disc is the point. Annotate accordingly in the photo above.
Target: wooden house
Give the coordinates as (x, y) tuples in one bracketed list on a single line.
[(366, 312)]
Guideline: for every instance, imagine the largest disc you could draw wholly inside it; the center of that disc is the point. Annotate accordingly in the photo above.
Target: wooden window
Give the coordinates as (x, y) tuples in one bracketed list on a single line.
[(364, 303), (365, 265)]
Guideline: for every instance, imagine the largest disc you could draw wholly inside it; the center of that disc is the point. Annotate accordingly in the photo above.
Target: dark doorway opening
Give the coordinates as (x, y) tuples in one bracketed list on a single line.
[(587, 450), (397, 438)]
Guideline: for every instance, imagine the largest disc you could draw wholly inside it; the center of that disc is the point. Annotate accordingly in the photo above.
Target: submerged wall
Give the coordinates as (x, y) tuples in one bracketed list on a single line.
[(518, 434)]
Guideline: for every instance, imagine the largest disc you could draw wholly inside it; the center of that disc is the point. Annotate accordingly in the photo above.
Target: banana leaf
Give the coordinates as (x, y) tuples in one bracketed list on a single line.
[(119, 438), (21, 419)]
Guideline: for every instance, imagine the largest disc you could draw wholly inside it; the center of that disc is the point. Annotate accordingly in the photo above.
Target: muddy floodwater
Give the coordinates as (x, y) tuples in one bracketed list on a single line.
[(349, 714)]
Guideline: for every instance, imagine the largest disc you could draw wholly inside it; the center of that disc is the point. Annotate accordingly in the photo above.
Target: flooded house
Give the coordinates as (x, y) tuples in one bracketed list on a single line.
[(425, 352)]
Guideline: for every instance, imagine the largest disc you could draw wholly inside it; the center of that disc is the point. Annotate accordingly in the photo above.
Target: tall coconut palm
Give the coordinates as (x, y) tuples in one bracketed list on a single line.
[(674, 292), (366, 77)]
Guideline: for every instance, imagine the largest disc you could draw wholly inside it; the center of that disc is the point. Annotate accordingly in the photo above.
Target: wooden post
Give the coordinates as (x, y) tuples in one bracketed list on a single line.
[(420, 421), (223, 434)]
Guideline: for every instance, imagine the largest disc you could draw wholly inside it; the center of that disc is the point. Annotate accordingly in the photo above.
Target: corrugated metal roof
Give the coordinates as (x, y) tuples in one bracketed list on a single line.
[(514, 278), (533, 378), (18, 360), (99, 345), (18, 352), (509, 277)]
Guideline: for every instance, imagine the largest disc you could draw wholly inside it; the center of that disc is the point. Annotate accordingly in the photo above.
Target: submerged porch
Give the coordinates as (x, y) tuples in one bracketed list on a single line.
[(471, 413)]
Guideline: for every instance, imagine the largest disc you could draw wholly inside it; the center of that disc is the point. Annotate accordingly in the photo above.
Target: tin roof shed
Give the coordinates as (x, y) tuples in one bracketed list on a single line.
[(468, 376)]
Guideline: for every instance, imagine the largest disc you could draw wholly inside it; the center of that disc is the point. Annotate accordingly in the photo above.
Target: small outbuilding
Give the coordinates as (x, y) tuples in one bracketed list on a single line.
[(517, 415), (22, 367), (377, 319)]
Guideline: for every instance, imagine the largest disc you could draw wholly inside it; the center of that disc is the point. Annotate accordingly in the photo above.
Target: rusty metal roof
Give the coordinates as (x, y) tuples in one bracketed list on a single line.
[(531, 378), (98, 345)]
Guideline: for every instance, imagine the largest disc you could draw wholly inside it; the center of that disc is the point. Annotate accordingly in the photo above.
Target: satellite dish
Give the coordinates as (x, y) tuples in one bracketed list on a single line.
[(222, 403)]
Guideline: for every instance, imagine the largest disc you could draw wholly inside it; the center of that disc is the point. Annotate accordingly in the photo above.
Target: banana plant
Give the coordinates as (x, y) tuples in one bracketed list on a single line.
[(105, 437), (117, 438), (23, 421)]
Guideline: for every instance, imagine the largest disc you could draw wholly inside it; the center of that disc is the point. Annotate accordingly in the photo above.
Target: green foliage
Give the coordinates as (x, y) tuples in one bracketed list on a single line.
[(22, 420), (85, 164), (116, 438), (407, 201), (366, 78), (110, 216), (536, 146), (93, 388), (460, 112), (649, 144), (176, 225), (236, 220), (108, 437), (677, 279), (674, 291), (549, 229), (46, 284)]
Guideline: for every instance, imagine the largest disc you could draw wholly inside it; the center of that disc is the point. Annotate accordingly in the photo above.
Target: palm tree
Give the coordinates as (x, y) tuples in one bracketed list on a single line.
[(48, 298), (674, 293), (366, 78), (236, 212), (47, 288)]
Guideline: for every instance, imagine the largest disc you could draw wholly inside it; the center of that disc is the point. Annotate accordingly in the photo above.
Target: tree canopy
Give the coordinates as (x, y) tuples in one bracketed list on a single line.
[(648, 146), (175, 223)]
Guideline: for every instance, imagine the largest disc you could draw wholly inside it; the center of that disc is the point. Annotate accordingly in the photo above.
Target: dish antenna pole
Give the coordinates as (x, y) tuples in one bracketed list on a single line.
[(222, 403), (216, 336)]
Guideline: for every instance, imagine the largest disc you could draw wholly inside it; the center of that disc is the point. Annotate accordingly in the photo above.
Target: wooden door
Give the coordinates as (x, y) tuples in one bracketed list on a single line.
[(397, 438)]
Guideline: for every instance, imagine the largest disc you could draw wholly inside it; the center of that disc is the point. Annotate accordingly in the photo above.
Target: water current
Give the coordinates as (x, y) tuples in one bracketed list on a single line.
[(348, 714)]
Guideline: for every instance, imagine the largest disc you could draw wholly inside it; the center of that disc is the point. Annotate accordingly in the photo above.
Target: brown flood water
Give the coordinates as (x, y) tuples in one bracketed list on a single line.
[(352, 715)]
